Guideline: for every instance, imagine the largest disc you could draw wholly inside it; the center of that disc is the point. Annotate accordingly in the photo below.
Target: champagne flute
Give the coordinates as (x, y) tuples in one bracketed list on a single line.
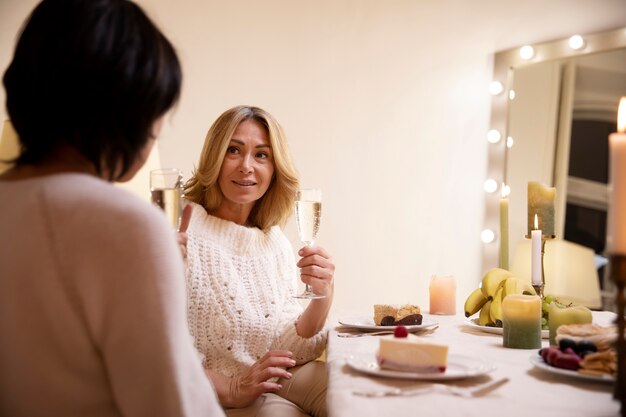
[(166, 192), (308, 214)]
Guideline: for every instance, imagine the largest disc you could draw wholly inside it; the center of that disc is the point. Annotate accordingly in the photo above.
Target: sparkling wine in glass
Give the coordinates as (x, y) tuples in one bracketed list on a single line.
[(308, 214), (166, 192)]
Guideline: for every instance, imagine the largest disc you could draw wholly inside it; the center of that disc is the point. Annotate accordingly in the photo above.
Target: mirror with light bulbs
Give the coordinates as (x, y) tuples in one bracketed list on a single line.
[(547, 100)]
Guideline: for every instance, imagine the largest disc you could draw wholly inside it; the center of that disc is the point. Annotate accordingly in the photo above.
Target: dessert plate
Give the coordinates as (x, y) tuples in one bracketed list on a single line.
[(459, 367), (536, 360), (545, 334), (367, 323)]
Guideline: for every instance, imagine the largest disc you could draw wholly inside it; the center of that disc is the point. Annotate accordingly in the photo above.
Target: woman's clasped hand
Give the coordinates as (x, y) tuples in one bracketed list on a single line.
[(260, 378)]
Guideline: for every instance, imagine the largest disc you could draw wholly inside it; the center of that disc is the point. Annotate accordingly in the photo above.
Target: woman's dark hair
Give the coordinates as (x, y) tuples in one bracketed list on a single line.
[(92, 74)]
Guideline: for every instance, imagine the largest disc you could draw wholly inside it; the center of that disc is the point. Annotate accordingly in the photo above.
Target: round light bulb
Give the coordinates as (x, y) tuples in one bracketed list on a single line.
[(526, 52), (512, 95), (487, 236), (576, 42), (493, 136), (495, 88), (509, 142), (490, 185)]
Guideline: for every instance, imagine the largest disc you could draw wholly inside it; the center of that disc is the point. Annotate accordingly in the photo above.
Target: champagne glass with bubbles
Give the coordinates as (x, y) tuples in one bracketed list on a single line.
[(166, 192), (308, 214)]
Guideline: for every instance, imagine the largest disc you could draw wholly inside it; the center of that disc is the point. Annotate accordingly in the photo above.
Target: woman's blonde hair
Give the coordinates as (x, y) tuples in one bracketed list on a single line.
[(276, 205)]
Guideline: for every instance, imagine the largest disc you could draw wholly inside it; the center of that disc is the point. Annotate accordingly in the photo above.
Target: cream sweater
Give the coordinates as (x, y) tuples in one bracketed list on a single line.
[(240, 285), (92, 305)]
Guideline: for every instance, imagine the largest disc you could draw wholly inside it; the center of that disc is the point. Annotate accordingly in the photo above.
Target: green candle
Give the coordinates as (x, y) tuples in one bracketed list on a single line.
[(541, 203), (566, 315), (521, 321)]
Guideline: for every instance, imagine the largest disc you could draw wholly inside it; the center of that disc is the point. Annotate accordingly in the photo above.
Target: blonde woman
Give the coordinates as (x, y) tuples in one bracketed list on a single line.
[(259, 345)]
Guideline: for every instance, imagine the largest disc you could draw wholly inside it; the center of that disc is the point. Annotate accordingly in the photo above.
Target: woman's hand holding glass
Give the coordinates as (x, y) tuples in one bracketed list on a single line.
[(317, 269)]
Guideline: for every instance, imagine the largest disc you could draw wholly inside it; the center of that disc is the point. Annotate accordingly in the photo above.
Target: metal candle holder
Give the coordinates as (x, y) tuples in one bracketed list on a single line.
[(539, 288), (618, 275)]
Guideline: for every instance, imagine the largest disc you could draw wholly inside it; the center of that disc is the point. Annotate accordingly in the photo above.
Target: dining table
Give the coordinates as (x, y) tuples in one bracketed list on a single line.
[(527, 388)]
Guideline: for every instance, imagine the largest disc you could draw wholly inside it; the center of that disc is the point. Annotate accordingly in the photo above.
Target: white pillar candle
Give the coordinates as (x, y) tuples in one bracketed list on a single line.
[(616, 244), (535, 260)]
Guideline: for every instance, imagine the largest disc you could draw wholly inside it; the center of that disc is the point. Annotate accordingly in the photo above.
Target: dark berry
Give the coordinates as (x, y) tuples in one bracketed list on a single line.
[(571, 351), (586, 346), (567, 343), (567, 361), (400, 331), (552, 355)]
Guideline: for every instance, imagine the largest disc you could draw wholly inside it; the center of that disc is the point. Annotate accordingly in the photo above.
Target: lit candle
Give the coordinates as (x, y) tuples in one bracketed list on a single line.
[(442, 295), (616, 244), (541, 202), (521, 321), (504, 228), (535, 260)]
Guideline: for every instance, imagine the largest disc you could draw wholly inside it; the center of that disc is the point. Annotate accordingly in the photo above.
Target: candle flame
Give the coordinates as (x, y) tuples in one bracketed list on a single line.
[(536, 222), (621, 115), (506, 190)]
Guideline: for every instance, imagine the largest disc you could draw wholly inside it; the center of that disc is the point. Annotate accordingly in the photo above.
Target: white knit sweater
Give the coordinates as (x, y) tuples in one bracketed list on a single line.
[(240, 284)]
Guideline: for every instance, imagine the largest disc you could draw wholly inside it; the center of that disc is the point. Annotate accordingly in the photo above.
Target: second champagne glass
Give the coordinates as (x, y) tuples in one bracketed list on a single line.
[(166, 192), (308, 215)]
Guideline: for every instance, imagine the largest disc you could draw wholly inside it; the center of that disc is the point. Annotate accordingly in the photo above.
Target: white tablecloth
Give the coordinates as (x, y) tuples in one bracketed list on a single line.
[(531, 392)]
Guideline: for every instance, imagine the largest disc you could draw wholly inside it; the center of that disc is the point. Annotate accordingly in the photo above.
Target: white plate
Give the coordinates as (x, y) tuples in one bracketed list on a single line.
[(538, 361), (459, 367), (545, 334), (367, 323)]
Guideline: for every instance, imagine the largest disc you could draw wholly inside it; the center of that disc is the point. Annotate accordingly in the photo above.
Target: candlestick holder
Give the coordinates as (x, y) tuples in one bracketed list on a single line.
[(539, 288), (618, 275)]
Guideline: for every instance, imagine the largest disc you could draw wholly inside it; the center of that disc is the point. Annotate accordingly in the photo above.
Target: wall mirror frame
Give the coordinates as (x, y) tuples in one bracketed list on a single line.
[(501, 141)]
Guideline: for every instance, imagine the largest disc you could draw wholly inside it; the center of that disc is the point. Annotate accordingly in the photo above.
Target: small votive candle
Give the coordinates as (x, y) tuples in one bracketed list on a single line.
[(521, 321), (566, 315), (442, 295)]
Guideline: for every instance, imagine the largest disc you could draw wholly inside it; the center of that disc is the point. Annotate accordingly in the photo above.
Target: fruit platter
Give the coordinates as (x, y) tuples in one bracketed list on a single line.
[(577, 359), (485, 302)]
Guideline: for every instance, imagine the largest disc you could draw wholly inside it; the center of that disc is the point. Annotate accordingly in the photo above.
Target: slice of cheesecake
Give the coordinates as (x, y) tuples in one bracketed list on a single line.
[(412, 354)]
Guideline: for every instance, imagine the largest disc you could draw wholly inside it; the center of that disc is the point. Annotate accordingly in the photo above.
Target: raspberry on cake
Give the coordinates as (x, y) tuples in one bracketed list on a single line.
[(393, 315), (409, 353)]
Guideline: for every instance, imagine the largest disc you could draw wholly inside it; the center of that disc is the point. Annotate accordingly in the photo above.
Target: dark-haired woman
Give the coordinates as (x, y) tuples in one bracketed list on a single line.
[(92, 296)]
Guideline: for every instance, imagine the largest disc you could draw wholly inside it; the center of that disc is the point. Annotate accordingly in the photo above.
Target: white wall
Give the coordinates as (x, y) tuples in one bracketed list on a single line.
[(386, 108)]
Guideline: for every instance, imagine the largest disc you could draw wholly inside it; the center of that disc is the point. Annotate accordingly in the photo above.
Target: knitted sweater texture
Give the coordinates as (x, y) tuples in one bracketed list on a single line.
[(240, 284)]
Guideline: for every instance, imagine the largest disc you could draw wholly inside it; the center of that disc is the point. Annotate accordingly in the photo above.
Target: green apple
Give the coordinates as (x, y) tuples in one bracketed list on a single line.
[(558, 315)]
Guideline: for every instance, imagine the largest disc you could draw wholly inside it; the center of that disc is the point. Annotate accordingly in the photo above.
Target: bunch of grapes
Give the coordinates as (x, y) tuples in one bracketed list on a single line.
[(545, 303)]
